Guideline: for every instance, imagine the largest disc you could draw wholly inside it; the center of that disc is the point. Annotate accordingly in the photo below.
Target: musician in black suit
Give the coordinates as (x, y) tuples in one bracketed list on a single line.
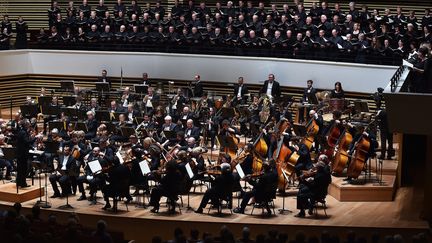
[(169, 187), (313, 187), (385, 135), (191, 130), (308, 91), (145, 80), (24, 141), (271, 87), (240, 90), (66, 168), (91, 124), (221, 188), (262, 188), (94, 181), (104, 78), (118, 178), (198, 88), (114, 107)]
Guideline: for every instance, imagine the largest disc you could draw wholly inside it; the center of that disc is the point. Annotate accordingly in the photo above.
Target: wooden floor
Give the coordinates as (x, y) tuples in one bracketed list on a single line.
[(401, 214)]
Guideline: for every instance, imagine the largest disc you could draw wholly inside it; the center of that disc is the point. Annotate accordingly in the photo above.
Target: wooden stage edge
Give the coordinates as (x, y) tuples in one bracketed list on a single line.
[(400, 216)]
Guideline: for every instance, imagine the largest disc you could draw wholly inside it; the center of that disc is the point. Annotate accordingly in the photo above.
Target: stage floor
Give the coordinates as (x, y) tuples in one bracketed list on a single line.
[(403, 213)]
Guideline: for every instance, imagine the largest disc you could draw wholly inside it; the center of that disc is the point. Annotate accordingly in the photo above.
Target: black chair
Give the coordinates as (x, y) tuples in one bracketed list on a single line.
[(121, 193), (223, 202), (267, 199), (323, 205)]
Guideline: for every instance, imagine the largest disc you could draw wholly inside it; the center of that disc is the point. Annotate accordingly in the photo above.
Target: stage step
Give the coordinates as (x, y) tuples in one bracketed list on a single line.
[(364, 190), (8, 193)]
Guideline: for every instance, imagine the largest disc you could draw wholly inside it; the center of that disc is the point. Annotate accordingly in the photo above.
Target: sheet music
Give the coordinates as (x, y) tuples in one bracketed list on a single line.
[(240, 171), (94, 166), (339, 46), (189, 170), (145, 169), (37, 152), (407, 64), (120, 157)]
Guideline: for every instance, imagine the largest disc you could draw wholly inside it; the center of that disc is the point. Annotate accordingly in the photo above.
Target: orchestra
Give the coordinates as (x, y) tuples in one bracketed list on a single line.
[(172, 140)]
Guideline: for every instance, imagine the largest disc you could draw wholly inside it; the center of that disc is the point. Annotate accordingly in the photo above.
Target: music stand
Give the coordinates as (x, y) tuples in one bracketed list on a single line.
[(111, 127), (44, 100), (299, 130), (283, 194), (42, 167), (69, 100), (80, 126), (50, 110), (56, 124), (127, 131), (103, 116), (102, 87), (67, 85), (141, 89), (170, 134), (29, 110), (227, 112), (361, 106)]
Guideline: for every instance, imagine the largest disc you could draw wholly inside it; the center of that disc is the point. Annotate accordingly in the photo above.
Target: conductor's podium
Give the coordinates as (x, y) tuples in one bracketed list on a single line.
[(8, 193)]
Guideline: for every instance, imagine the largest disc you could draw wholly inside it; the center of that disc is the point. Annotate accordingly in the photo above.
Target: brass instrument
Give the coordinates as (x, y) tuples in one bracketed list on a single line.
[(264, 114)]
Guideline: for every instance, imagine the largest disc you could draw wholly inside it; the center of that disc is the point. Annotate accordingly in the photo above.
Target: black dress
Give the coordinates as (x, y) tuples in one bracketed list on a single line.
[(21, 36)]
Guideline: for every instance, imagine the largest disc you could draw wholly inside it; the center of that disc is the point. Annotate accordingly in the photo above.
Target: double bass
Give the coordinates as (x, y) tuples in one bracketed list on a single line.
[(285, 158), (312, 129), (360, 156), (342, 157)]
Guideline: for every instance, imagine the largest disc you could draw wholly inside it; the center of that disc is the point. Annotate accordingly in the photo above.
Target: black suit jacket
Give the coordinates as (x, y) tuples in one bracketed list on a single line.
[(275, 89), (243, 91), (72, 168), (312, 91), (195, 132), (92, 126), (198, 89)]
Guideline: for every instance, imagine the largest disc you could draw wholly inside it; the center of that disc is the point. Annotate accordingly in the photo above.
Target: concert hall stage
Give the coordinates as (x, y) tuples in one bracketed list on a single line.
[(399, 216)]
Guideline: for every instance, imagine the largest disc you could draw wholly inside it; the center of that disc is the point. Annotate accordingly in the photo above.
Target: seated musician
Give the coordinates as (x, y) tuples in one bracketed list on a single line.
[(79, 104), (221, 188), (94, 181), (91, 124), (131, 113), (304, 161), (168, 126), (262, 189), (197, 158), (127, 98), (119, 179), (104, 78), (105, 152), (247, 163), (226, 131), (168, 187), (94, 105), (66, 168), (338, 92), (114, 107), (183, 117), (4, 163), (190, 144), (313, 186), (240, 90), (191, 130)]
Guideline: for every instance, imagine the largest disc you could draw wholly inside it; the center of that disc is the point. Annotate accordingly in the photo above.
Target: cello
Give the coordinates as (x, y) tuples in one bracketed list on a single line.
[(285, 158), (260, 145)]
